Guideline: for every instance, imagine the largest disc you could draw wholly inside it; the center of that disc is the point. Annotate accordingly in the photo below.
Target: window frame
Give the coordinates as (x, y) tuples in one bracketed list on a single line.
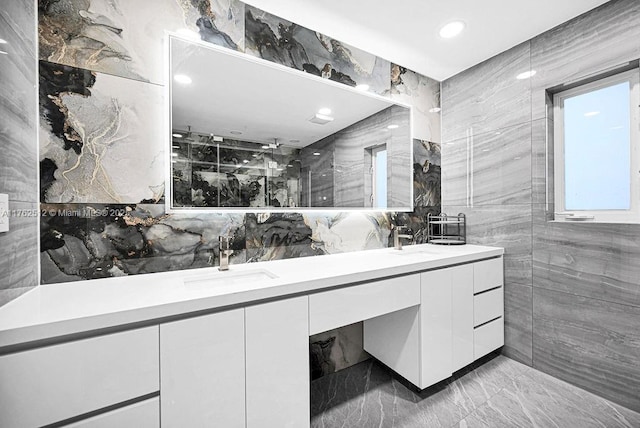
[(631, 215)]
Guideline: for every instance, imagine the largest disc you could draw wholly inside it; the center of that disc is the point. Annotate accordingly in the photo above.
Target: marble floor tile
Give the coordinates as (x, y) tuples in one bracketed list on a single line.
[(536, 399), (499, 392)]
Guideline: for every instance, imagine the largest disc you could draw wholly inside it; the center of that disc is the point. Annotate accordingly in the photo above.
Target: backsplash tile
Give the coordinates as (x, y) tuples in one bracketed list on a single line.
[(99, 137), (275, 39), (126, 38)]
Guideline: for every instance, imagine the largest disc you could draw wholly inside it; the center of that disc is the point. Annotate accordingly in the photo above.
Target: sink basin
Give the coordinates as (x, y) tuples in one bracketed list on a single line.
[(417, 249), (231, 277)]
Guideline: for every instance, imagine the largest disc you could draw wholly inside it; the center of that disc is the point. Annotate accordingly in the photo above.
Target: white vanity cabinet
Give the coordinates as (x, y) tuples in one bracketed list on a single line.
[(55, 383), (459, 319), (277, 366), (202, 371)]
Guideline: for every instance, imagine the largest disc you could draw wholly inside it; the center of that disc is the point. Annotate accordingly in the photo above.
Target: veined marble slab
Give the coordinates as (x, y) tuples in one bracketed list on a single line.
[(518, 322), (423, 94), (488, 96), (99, 137), (126, 38), (276, 39), (589, 342)]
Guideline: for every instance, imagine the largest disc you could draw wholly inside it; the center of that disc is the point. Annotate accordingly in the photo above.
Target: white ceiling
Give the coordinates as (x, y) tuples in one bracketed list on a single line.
[(406, 31)]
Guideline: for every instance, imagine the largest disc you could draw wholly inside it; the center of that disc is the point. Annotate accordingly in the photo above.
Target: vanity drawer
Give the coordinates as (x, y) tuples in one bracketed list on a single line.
[(488, 305), (145, 414), (344, 306), (488, 337), (58, 382), (487, 274)]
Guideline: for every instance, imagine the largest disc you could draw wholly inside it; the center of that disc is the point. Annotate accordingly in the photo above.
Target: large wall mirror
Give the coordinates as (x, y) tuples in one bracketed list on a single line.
[(248, 134)]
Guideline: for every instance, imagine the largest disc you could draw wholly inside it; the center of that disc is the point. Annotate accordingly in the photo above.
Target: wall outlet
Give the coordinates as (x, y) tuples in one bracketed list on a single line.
[(4, 212)]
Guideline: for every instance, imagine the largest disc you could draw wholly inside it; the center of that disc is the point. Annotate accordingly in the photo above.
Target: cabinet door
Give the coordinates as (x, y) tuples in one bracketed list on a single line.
[(462, 311), (277, 341), (202, 371), (435, 325), (54, 383)]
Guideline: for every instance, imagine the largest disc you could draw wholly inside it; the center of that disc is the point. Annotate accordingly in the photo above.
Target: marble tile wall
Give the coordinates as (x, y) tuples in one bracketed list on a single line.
[(102, 159), (18, 139), (571, 291)]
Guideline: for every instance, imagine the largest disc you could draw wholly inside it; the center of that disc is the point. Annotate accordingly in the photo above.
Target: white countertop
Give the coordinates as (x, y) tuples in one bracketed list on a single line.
[(51, 311)]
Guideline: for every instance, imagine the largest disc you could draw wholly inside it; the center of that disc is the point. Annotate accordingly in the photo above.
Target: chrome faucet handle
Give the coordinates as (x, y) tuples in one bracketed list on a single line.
[(225, 251), (397, 243), (224, 242)]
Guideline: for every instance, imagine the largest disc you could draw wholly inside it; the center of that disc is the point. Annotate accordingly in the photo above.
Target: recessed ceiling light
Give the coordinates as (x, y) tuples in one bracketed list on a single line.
[(452, 29), (294, 141), (526, 75), (236, 132), (177, 135), (434, 110), (324, 110), (182, 78), (362, 87), (392, 127), (591, 113), (3, 41)]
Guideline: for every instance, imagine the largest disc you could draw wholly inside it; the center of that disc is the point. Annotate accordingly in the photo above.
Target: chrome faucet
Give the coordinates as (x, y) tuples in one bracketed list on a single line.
[(397, 236), (225, 251)]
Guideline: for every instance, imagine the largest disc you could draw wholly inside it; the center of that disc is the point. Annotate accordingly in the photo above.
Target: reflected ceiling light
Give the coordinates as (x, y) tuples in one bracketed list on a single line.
[(265, 147), (392, 127), (362, 87), (324, 111), (4, 53), (177, 135), (182, 78), (591, 113), (3, 41), (289, 166), (245, 161), (316, 153), (321, 119), (526, 75), (174, 154), (236, 132), (451, 29), (434, 110)]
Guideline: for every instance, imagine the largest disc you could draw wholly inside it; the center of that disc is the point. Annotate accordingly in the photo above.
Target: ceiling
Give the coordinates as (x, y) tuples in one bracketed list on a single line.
[(406, 31)]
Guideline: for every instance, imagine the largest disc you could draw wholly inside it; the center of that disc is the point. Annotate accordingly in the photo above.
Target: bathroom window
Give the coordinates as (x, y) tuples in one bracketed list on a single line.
[(596, 159)]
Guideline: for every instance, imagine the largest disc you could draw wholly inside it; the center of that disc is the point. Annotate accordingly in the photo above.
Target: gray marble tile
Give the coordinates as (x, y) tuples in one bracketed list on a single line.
[(100, 139), (507, 226), (594, 260), (589, 44), (368, 395), (591, 343), (126, 38), (539, 400), (423, 95), (518, 323), (488, 96), (19, 251), (18, 107), (493, 168), (276, 39), (427, 174), (82, 241)]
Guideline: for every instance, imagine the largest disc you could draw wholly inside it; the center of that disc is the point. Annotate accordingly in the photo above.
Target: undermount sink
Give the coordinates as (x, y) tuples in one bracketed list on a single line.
[(417, 249), (231, 277)]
